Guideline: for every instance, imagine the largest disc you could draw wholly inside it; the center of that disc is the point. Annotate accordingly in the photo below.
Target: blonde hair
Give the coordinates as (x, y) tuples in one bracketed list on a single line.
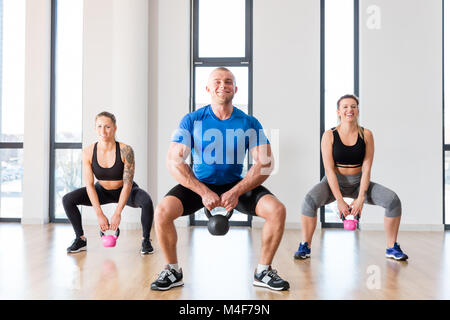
[(351, 96)]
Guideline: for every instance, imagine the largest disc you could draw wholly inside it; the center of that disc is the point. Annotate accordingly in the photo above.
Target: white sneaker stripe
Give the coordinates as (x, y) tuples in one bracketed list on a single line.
[(172, 278)]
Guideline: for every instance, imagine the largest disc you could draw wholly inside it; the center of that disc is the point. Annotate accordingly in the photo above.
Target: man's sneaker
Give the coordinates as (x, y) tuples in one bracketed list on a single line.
[(396, 253), (270, 279), (146, 247), (77, 245), (303, 251), (168, 278)]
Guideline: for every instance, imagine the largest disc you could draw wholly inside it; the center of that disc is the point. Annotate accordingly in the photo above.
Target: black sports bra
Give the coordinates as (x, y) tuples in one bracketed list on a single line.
[(114, 173), (348, 156)]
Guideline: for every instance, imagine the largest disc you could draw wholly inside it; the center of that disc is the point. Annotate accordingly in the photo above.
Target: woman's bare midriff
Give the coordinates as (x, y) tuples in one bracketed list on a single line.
[(347, 171), (111, 185)]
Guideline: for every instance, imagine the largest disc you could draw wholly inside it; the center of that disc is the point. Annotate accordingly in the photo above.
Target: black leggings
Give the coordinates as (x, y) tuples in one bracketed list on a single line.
[(138, 199)]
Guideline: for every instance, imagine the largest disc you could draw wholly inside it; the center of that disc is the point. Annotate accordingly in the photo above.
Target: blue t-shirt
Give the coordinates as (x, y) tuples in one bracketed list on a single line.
[(219, 146)]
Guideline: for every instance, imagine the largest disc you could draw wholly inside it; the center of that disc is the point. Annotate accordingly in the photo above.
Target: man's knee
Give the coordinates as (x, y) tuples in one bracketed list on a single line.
[(273, 211), (166, 212)]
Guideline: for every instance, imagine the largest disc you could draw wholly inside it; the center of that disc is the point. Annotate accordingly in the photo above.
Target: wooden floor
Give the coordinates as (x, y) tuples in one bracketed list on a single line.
[(344, 265)]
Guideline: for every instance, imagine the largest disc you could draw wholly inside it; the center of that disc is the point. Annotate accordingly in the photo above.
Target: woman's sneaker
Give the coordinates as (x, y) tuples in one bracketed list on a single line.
[(77, 245), (270, 279), (303, 251), (168, 278), (396, 253), (146, 247)]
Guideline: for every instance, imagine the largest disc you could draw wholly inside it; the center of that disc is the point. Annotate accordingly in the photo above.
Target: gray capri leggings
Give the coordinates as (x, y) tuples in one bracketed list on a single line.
[(321, 195)]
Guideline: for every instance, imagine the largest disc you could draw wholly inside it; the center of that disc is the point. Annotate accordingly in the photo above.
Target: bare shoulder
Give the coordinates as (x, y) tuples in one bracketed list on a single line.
[(367, 134), (367, 131), (88, 151), (126, 152), (327, 136), (124, 146)]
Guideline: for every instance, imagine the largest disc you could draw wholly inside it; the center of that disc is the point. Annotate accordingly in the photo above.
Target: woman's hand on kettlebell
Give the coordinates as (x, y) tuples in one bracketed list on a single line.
[(357, 206), (210, 200), (229, 200), (103, 222), (343, 208), (115, 221)]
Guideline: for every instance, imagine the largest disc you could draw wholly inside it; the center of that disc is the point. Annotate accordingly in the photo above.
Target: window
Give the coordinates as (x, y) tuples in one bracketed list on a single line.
[(339, 75), (66, 103), (12, 90), (446, 99), (213, 21)]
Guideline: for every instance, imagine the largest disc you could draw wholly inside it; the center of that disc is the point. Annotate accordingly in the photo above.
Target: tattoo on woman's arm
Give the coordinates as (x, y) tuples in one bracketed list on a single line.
[(128, 172)]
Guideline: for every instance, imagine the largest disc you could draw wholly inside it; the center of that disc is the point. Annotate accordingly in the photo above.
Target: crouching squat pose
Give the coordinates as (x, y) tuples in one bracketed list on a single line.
[(112, 163), (347, 153), (219, 135)]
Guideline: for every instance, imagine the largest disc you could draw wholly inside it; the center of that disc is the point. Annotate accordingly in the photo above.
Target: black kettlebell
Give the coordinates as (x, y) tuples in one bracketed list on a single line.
[(218, 224)]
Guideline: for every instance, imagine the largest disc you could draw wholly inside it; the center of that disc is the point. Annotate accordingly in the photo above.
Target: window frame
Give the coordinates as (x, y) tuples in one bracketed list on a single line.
[(197, 62), (53, 144), (6, 145), (323, 222), (445, 147)]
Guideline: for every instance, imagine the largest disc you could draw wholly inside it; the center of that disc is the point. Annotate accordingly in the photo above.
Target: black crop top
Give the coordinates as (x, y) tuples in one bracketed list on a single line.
[(114, 173), (348, 156)]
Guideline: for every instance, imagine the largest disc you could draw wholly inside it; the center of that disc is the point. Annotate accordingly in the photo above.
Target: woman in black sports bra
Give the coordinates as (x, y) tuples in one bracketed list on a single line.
[(112, 163), (347, 154)]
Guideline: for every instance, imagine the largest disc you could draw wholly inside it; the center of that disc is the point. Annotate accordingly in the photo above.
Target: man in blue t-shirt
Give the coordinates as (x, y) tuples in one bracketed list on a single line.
[(218, 136)]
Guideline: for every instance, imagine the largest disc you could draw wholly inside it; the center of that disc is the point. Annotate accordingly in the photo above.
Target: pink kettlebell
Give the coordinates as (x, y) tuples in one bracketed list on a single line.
[(109, 240), (350, 224)]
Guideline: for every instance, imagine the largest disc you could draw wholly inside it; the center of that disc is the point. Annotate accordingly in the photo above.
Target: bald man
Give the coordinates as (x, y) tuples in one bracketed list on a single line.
[(219, 135)]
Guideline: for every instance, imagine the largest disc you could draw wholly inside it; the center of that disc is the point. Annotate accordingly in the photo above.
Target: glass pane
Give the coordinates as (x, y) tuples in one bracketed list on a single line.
[(339, 57), (67, 176), (447, 187), (447, 71), (68, 89), (202, 98), (339, 67), (221, 28), (11, 201), (12, 69)]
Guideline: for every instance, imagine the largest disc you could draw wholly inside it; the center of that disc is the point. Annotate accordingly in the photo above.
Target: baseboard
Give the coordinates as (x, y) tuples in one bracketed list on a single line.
[(34, 221), (403, 227)]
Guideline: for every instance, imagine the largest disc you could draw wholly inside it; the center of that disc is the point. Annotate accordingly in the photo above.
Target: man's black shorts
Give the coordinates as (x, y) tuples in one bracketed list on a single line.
[(192, 201)]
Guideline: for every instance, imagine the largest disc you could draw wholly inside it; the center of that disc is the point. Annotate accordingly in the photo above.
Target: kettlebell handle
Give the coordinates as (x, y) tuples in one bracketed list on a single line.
[(117, 233), (209, 215), (343, 218)]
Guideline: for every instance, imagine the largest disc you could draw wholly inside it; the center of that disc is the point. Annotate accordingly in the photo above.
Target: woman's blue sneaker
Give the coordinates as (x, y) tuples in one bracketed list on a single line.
[(396, 253), (303, 251)]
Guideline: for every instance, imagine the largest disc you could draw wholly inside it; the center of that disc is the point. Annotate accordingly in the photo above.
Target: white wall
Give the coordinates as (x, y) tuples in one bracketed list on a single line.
[(169, 85), (401, 101), (37, 112), (115, 79)]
